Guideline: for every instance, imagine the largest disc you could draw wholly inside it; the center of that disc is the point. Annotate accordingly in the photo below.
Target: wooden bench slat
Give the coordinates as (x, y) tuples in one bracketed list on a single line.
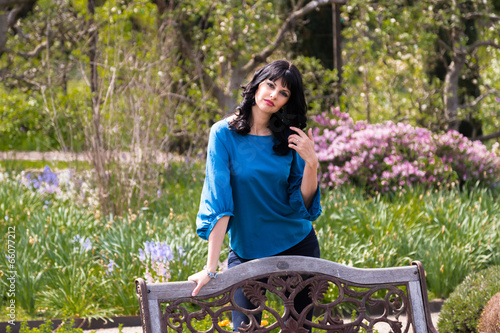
[(318, 275)]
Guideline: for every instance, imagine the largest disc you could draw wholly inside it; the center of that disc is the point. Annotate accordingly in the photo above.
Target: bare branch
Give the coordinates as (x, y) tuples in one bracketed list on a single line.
[(482, 43), (12, 15), (286, 26), (38, 49), (472, 15), (444, 45), (489, 136), (178, 97), (479, 99)]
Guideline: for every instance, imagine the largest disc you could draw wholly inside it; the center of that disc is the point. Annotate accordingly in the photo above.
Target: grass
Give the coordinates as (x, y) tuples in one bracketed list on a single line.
[(452, 232)]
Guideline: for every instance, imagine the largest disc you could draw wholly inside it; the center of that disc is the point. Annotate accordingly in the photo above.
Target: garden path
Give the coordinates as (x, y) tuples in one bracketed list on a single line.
[(161, 157)]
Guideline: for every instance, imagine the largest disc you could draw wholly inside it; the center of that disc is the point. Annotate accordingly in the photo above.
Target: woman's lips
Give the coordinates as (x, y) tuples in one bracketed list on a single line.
[(268, 102)]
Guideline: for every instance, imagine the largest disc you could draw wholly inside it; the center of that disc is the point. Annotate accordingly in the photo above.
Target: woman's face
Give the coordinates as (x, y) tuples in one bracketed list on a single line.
[(271, 96)]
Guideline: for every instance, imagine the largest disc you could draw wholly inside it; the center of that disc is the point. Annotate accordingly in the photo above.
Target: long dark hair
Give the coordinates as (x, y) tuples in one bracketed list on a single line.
[(292, 114)]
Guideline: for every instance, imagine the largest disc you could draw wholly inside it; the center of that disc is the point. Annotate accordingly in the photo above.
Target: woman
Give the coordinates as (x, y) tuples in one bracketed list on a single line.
[(261, 179)]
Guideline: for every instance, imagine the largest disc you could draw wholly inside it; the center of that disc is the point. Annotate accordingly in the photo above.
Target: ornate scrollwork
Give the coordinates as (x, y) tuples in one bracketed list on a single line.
[(389, 301)]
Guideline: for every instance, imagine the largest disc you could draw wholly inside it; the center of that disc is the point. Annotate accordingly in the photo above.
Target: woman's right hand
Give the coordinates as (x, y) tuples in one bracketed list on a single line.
[(214, 245), (201, 278)]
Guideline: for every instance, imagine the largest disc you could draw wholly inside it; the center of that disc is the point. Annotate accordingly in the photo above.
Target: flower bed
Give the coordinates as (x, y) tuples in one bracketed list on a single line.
[(389, 157)]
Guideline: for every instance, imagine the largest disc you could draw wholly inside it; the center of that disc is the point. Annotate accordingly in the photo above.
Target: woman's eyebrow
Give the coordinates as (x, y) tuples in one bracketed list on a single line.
[(284, 89)]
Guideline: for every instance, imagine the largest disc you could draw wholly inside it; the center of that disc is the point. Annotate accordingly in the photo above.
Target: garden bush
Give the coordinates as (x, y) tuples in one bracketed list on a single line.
[(388, 157), (48, 327), (462, 310)]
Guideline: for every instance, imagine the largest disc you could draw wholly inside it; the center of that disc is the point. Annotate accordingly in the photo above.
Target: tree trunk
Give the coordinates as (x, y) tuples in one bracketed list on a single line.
[(337, 48), (98, 154), (451, 100), (9, 10), (4, 27)]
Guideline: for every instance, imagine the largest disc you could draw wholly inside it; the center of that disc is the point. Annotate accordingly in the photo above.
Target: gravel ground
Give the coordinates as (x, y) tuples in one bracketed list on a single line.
[(138, 329)]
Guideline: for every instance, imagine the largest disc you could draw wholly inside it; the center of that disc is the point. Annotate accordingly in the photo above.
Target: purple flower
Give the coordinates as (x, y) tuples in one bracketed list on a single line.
[(142, 255), (110, 267), (85, 243), (156, 257)]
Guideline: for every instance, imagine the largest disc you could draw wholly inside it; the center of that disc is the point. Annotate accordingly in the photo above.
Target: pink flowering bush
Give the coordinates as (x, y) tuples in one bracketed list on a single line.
[(387, 157)]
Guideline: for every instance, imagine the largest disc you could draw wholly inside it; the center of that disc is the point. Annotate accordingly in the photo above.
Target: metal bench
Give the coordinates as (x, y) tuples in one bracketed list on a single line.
[(383, 298)]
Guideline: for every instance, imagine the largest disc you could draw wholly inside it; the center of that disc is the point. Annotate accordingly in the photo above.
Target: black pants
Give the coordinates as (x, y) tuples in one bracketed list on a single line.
[(308, 247)]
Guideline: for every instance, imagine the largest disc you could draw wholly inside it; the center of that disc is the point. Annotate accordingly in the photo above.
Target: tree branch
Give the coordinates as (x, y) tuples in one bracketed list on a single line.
[(12, 15), (477, 44), (444, 45), (483, 138), (479, 99), (38, 49), (472, 15), (285, 27)]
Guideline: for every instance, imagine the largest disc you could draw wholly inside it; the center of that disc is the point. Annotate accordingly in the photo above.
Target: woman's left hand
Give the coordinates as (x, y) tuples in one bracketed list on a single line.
[(303, 144)]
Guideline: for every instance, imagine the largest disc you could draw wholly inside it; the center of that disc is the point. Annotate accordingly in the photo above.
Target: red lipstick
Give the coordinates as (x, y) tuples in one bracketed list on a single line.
[(268, 102)]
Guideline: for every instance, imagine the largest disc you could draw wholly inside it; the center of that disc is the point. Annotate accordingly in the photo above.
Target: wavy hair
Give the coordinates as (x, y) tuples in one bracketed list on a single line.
[(293, 113)]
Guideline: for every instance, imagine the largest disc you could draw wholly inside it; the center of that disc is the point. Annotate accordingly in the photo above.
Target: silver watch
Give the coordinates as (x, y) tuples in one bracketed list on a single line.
[(212, 275)]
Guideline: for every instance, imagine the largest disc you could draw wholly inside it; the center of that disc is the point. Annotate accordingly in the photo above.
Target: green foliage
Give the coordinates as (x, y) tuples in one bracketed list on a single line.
[(47, 327), (319, 84), (72, 261), (172, 65), (451, 232), (23, 122), (462, 310), (68, 267), (395, 66)]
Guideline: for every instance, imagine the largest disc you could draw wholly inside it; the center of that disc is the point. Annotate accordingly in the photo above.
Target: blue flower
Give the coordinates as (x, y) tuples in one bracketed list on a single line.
[(156, 252), (84, 242), (110, 266), (142, 256)]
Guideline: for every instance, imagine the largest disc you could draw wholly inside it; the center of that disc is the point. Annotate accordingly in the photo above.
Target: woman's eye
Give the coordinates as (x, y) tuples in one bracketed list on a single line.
[(270, 84), (284, 94)]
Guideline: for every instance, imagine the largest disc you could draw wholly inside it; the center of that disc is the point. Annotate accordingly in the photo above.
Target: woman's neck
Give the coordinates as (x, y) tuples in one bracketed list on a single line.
[(260, 124)]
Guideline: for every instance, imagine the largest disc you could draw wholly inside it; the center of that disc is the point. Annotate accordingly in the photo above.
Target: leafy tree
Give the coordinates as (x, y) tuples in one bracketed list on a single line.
[(391, 44), (224, 42)]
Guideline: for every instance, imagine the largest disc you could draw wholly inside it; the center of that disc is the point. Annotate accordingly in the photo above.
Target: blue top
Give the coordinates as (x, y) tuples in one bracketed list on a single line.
[(259, 189)]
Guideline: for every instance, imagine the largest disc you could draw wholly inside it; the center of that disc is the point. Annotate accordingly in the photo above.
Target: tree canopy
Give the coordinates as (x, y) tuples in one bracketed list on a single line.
[(78, 69)]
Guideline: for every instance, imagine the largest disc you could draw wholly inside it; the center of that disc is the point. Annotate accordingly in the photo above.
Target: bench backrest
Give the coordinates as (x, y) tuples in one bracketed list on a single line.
[(393, 297)]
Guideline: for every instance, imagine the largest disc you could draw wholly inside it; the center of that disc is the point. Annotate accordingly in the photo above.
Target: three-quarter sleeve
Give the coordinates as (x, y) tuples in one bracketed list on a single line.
[(216, 198), (295, 194)]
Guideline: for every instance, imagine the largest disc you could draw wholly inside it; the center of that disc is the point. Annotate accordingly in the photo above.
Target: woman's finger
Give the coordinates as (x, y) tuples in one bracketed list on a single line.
[(196, 290), (299, 132), (310, 133)]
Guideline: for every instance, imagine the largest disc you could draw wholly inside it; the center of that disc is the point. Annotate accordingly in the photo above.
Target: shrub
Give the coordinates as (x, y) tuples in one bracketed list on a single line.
[(461, 311), (47, 327), (490, 318), (387, 157)]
